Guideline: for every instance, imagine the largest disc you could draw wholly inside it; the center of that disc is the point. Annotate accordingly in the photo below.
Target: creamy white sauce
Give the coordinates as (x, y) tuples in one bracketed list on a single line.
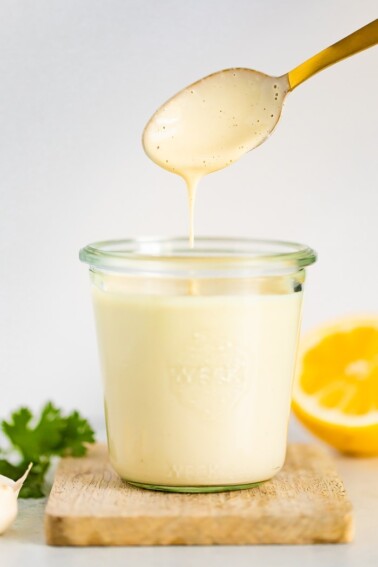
[(213, 123)]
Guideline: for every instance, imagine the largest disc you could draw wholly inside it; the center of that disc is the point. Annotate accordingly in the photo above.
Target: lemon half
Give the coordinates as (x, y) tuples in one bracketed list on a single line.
[(336, 387)]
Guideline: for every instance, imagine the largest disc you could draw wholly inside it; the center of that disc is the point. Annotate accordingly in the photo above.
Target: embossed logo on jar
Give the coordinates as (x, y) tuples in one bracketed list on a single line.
[(210, 376), (204, 471)]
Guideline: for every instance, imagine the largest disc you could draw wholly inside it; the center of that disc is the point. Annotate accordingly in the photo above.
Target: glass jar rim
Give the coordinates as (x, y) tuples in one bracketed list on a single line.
[(215, 255)]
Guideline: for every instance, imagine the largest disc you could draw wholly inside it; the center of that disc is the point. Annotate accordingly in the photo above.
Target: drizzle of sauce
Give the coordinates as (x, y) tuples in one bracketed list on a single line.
[(213, 123)]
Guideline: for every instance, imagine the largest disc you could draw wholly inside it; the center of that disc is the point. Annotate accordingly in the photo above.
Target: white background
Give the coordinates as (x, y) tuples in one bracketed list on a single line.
[(78, 81)]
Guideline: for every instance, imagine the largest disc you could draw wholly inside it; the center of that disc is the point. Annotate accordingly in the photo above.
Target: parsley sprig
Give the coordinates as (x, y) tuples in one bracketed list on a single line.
[(37, 439)]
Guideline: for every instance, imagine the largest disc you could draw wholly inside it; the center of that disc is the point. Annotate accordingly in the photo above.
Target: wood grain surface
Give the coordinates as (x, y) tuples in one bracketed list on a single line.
[(304, 503)]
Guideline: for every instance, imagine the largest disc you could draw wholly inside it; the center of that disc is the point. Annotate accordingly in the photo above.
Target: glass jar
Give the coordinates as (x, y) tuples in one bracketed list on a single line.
[(198, 350)]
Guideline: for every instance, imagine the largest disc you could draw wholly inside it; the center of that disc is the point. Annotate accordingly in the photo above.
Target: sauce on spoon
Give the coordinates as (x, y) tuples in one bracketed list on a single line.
[(212, 123)]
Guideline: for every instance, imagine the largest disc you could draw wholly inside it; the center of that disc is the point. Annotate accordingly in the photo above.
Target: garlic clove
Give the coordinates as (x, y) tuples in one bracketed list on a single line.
[(9, 490)]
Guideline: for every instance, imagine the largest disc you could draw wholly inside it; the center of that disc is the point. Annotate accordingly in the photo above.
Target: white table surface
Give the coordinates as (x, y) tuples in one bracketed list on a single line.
[(24, 543)]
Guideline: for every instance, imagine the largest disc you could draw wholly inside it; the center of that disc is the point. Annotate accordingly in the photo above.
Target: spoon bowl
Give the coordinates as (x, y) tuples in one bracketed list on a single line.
[(213, 122)]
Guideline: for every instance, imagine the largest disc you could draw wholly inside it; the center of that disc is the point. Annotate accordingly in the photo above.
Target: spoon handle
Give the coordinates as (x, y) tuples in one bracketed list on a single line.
[(354, 43)]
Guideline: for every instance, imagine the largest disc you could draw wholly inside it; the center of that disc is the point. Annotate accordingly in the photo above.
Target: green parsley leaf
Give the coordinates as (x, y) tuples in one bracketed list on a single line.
[(38, 440), (76, 433)]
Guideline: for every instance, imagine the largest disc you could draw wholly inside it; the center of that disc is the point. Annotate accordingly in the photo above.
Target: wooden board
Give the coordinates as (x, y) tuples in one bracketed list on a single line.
[(305, 503)]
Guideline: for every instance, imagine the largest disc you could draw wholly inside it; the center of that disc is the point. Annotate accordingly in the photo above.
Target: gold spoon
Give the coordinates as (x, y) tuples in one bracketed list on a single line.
[(354, 43), (216, 120)]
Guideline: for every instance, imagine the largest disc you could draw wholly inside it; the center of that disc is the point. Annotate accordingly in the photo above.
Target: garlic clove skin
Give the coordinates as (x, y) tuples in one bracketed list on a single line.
[(9, 490), (17, 485)]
